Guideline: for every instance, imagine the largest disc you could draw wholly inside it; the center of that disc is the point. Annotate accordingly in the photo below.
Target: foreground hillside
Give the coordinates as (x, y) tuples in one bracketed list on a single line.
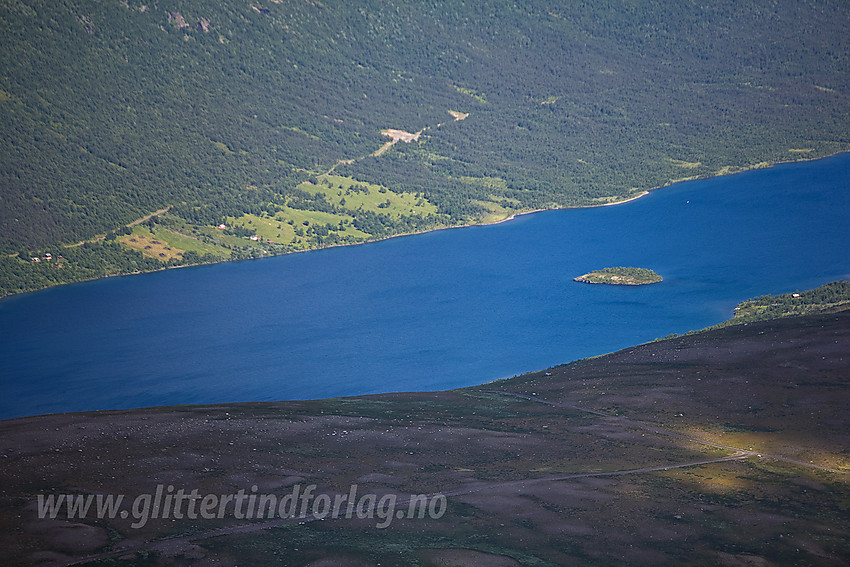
[(724, 448), (136, 129)]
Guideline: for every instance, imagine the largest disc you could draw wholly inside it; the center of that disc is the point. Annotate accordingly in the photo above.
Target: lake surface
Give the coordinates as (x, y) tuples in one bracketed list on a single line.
[(433, 311)]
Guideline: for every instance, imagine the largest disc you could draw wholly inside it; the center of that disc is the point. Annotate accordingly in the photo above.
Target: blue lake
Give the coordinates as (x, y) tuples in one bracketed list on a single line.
[(433, 311)]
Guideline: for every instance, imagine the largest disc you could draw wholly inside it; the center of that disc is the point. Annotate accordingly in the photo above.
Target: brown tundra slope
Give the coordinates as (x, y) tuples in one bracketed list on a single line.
[(724, 448)]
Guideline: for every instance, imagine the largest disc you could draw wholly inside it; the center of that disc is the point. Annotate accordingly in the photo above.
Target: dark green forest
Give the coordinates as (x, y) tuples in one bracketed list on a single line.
[(263, 115)]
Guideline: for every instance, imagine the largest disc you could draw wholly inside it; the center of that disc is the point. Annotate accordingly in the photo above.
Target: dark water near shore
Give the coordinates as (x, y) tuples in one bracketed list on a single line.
[(433, 311)]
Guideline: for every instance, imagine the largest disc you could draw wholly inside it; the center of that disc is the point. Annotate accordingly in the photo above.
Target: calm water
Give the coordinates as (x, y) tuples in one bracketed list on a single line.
[(440, 310)]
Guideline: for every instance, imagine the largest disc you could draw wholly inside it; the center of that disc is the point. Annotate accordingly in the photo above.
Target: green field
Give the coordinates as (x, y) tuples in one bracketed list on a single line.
[(353, 195)]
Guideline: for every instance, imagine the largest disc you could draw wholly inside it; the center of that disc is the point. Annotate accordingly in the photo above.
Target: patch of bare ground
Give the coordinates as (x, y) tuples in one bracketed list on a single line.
[(395, 137), (465, 558), (151, 247)]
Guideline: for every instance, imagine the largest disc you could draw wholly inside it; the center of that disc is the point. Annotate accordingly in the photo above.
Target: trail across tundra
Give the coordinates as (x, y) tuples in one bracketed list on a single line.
[(175, 544), (741, 453)]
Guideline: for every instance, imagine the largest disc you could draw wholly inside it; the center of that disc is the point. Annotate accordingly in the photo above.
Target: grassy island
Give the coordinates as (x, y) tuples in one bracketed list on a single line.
[(620, 276)]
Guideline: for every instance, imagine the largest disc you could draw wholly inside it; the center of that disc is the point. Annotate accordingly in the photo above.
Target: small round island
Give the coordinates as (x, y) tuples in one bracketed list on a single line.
[(620, 276)]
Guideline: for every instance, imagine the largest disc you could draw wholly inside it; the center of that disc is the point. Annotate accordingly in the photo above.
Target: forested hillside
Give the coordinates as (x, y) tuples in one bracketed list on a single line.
[(271, 119)]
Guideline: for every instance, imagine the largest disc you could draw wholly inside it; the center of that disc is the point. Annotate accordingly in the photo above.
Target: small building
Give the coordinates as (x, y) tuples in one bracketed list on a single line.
[(222, 226)]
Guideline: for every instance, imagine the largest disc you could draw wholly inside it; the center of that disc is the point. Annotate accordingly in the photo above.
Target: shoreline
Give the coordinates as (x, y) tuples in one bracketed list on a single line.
[(512, 216), (626, 200)]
